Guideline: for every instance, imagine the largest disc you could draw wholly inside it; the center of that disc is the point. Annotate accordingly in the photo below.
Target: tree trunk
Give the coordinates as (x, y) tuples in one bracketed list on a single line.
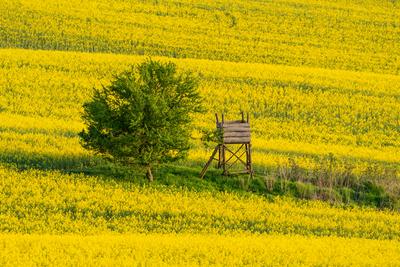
[(149, 174)]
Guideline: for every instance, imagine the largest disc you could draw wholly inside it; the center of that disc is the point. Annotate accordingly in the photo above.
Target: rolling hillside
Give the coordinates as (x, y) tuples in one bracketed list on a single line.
[(320, 79)]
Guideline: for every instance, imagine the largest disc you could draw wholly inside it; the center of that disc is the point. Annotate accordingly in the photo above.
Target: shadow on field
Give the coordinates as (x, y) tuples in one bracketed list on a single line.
[(375, 187), (180, 174)]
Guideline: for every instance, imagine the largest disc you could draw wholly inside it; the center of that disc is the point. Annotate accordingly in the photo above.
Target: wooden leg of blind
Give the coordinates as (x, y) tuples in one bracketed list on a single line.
[(204, 170)]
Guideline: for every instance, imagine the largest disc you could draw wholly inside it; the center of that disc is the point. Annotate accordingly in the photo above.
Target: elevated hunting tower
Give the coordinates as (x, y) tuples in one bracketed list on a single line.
[(233, 146)]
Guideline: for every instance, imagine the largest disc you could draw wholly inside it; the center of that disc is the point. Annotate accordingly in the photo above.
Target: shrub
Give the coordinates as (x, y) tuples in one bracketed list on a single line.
[(144, 116)]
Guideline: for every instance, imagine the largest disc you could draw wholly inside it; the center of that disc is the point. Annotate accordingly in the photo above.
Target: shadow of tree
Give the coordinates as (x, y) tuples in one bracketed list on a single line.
[(183, 174), (179, 174)]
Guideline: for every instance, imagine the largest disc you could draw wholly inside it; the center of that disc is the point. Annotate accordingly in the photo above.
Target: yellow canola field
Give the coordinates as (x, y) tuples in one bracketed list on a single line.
[(298, 112), (340, 34), (195, 250), (317, 77), (50, 202)]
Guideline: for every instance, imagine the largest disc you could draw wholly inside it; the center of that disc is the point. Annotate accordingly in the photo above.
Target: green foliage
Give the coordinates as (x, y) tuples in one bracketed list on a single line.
[(211, 137), (144, 116)]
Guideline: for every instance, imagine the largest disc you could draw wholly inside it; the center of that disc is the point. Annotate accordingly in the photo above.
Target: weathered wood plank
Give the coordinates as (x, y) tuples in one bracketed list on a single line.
[(233, 122), (236, 129), (238, 124), (237, 134), (237, 140)]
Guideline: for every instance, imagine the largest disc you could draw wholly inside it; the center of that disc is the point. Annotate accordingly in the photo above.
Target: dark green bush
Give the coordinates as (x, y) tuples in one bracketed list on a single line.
[(143, 117)]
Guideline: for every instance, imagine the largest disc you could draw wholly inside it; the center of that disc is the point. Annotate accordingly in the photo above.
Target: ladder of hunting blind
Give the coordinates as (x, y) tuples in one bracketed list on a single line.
[(233, 133)]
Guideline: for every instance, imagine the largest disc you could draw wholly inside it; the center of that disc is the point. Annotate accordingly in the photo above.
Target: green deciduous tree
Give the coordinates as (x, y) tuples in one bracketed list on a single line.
[(144, 117)]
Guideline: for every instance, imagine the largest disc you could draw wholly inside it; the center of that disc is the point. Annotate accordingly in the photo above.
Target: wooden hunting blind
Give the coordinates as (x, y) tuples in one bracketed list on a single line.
[(234, 146)]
